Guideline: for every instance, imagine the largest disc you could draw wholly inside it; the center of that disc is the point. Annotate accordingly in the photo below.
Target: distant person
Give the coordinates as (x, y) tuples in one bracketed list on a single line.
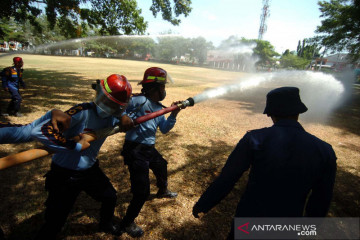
[(11, 80), (287, 166), (139, 150), (75, 167)]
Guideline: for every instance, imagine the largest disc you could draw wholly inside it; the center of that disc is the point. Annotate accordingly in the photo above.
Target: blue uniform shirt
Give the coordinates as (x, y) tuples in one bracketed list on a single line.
[(12, 77), (17, 133), (286, 163), (84, 117), (145, 132)]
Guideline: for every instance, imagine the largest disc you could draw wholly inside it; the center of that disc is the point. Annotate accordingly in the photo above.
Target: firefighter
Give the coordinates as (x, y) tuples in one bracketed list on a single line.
[(139, 150), (286, 163), (74, 166), (11, 80)]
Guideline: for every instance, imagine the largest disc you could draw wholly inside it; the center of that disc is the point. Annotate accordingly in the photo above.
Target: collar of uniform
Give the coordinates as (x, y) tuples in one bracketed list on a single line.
[(288, 123)]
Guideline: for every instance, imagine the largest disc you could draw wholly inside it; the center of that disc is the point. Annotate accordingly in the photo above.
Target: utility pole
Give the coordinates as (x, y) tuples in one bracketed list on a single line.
[(264, 15)]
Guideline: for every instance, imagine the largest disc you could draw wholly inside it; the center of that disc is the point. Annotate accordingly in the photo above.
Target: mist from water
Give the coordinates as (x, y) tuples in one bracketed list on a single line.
[(320, 92), (240, 54)]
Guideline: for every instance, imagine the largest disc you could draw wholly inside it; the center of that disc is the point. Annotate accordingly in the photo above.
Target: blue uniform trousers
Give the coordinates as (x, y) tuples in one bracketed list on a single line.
[(14, 105)]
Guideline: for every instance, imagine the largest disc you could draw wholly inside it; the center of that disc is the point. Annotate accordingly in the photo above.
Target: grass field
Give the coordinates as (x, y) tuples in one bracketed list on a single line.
[(196, 149)]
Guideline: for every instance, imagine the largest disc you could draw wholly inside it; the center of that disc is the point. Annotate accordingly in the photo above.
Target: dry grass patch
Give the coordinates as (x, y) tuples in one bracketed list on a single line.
[(196, 149)]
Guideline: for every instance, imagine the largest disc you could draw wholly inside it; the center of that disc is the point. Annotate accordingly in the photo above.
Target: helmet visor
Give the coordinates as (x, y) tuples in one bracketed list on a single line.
[(107, 105)]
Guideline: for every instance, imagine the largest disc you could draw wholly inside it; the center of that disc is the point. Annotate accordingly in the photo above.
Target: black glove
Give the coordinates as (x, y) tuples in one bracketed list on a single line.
[(196, 211)]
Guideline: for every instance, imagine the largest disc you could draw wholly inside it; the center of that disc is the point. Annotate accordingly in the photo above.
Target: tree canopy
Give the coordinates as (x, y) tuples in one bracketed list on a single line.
[(308, 49), (111, 17), (340, 28)]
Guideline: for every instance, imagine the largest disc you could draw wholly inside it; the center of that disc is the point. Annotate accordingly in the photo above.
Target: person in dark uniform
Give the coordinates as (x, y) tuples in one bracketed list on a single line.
[(139, 150), (75, 167), (2, 236), (287, 167), (11, 80)]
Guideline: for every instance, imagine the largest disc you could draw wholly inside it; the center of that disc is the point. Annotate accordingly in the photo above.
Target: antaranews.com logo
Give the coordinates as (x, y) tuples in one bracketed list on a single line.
[(295, 228), (302, 230)]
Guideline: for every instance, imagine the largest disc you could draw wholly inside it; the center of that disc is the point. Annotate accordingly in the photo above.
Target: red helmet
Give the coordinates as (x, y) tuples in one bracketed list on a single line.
[(17, 60), (113, 94), (154, 75)]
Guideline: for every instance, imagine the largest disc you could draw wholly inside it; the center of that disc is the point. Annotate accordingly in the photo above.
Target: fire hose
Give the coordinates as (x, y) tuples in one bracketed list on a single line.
[(36, 153)]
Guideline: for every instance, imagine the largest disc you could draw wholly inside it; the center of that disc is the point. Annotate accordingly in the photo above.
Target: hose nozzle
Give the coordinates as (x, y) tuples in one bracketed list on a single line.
[(188, 102)]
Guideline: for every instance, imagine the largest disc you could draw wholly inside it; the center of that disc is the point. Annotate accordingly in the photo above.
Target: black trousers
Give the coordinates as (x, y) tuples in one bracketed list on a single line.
[(140, 158), (64, 186)]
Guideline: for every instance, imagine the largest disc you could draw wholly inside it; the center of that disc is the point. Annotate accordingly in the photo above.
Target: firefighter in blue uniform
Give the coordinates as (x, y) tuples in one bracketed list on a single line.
[(139, 150), (286, 163), (11, 80), (74, 166)]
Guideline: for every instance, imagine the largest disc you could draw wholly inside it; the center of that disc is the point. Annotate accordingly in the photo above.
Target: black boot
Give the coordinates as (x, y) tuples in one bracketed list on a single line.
[(110, 228), (166, 193), (134, 230)]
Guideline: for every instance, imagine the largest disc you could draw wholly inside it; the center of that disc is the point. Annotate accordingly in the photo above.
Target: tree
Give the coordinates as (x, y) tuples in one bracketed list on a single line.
[(309, 49), (260, 50), (298, 49), (341, 26), (265, 51), (164, 7), (291, 60), (200, 47), (112, 17), (170, 47)]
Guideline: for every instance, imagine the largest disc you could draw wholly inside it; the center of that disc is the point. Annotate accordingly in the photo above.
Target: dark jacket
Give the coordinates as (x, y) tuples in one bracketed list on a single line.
[(286, 164)]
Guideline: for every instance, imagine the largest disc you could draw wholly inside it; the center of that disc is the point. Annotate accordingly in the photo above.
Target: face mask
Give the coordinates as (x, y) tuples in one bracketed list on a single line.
[(102, 113), (162, 95)]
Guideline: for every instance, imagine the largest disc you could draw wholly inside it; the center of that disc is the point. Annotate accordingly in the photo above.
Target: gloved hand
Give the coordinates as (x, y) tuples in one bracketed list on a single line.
[(196, 211)]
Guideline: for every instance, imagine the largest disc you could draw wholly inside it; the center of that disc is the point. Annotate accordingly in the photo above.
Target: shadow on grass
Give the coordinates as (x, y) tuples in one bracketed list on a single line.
[(346, 202)]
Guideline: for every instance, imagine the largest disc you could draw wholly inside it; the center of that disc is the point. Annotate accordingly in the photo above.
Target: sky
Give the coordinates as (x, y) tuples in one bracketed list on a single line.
[(216, 20)]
